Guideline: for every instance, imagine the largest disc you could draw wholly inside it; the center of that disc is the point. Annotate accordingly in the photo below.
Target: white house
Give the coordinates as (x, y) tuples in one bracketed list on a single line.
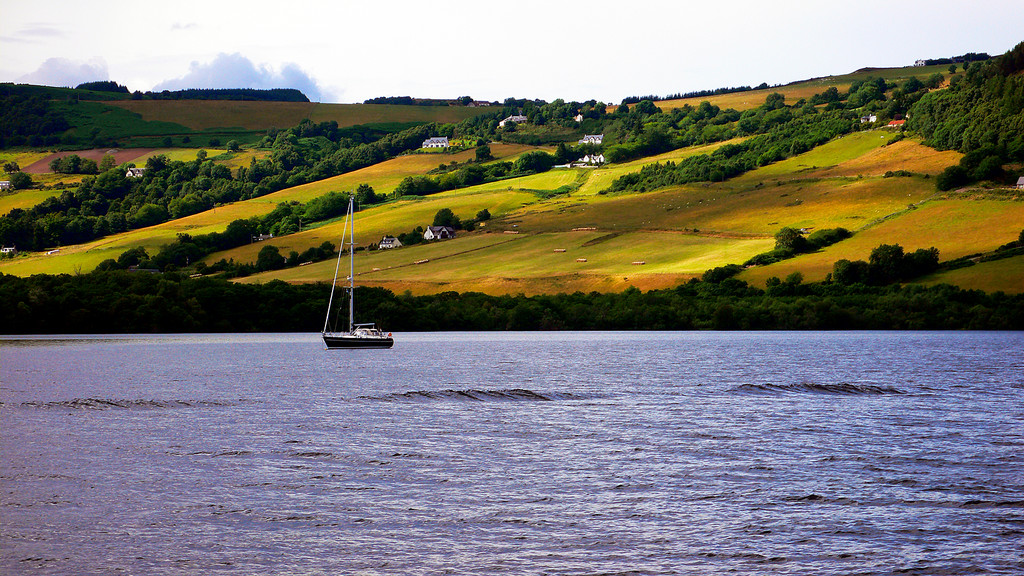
[(920, 63), (436, 142), (5, 184), (389, 242), (593, 159), (135, 173), (8, 250), (439, 233), (869, 118), (592, 139), (1020, 183), (515, 118), (578, 117)]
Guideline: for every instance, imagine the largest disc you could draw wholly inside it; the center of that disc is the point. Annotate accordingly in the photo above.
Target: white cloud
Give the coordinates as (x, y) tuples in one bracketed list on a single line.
[(65, 72), (237, 71)]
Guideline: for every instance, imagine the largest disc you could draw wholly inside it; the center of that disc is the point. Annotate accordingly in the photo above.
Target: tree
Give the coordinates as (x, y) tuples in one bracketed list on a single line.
[(232, 145), (269, 258), (366, 196), (148, 215), (790, 239), (20, 180), (11, 167), (485, 215), (483, 153), (886, 264), (445, 217), (107, 163), (952, 177), (847, 272), (774, 101)]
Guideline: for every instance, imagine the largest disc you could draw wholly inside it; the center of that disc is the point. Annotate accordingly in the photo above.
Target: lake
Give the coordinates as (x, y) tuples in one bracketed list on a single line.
[(514, 453)]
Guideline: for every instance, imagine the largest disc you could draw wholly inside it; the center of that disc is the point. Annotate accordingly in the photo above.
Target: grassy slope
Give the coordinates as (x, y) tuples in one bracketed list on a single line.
[(806, 89), (220, 114), (677, 232), (383, 177)]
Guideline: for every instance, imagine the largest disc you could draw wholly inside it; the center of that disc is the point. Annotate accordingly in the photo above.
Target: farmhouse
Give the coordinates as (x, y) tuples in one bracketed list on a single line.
[(869, 118), (896, 124), (590, 160), (389, 242), (135, 173), (5, 184), (515, 118), (8, 250), (592, 139), (261, 237), (1020, 183), (439, 233), (436, 142), (578, 117)]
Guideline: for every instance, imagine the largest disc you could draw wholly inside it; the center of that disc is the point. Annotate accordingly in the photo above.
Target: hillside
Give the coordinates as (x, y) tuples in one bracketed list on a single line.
[(630, 222)]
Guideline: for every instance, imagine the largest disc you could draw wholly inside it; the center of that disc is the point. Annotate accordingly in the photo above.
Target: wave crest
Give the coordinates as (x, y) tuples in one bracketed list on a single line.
[(478, 395), (122, 404), (848, 388)]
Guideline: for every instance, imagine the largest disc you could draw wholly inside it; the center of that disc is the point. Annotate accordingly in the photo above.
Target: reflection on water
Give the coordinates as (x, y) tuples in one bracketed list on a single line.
[(555, 453)]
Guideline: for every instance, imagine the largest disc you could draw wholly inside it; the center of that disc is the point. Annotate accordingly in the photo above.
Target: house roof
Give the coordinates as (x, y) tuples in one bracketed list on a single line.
[(1020, 181)]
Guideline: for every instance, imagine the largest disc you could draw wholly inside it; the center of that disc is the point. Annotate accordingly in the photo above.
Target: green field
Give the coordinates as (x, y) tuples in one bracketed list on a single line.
[(23, 199)]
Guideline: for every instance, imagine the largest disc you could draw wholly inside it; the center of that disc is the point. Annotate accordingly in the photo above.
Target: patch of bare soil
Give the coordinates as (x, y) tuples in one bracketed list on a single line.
[(96, 154)]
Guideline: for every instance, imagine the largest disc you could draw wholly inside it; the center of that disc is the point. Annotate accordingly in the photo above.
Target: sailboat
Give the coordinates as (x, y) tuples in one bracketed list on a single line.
[(358, 335)]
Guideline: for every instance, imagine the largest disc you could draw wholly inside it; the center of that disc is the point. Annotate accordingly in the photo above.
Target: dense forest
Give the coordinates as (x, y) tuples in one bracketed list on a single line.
[(981, 114), (117, 302)]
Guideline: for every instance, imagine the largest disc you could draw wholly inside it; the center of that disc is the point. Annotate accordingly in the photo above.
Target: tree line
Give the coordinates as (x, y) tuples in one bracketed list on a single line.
[(134, 302)]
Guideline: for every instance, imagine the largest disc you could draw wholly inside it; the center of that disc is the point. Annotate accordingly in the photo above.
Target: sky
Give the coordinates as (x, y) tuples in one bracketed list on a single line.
[(344, 51)]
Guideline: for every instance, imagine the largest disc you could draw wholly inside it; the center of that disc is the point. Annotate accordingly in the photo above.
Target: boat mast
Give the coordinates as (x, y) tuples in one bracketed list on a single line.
[(334, 283), (351, 264)]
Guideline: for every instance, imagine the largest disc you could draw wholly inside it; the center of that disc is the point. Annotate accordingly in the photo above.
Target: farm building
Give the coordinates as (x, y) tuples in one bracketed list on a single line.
[(436, 142), (8, 250), (590, 160), (896, 124), (869, 118), (389, 242), (1020, 183), (592, 139), (439, 233), (5, 184), (578, 117), (135, 173), (515, 119)]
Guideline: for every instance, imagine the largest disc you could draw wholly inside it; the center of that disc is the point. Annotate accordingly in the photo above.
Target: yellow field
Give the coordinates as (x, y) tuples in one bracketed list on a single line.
[(952, 226), (23, 159), (24, 199), (793, 92), (501, 263), (212, 114), (1005, 275), (746, 100)]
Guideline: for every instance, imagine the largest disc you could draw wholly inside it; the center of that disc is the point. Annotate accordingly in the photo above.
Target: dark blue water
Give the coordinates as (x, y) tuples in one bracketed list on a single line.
[(551, 453)]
